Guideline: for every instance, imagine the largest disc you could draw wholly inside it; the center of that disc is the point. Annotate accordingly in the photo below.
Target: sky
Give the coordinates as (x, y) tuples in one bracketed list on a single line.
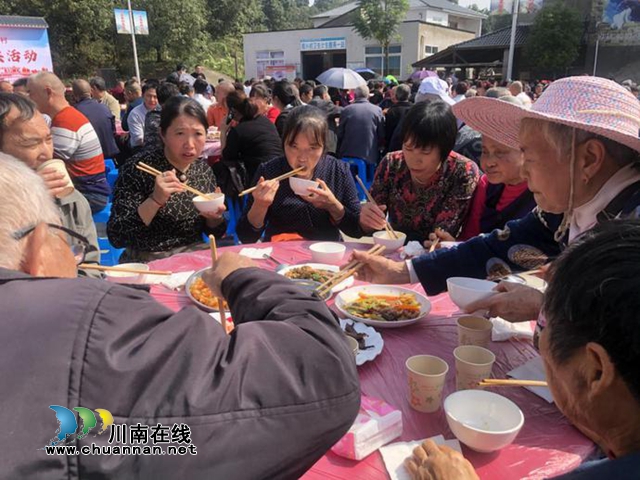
[(480, 3)]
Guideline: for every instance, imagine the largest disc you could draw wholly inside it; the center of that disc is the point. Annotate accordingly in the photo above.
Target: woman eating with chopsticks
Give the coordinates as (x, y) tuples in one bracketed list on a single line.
[(153, 215), (317, 214), (425, 185)]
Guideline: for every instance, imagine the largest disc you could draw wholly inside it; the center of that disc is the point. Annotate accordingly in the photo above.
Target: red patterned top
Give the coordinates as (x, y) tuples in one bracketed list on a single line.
[(418, 210)]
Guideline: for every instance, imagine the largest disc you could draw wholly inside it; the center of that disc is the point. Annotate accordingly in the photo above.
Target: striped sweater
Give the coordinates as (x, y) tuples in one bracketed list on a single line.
[(75, 141)]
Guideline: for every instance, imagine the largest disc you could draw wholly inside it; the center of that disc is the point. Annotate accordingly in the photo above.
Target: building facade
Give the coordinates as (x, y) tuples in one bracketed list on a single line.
[(429, 26)]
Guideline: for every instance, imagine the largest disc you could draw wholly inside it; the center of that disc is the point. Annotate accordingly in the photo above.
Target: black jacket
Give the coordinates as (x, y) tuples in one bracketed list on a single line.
[(252, 142), (265, 402), (392, 119), (103, 122)]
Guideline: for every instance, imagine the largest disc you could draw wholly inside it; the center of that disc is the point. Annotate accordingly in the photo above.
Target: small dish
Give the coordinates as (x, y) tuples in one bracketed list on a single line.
[(373, 341), (300, 186), (212, 204), (388, 242), (327, 252), (465, 291)]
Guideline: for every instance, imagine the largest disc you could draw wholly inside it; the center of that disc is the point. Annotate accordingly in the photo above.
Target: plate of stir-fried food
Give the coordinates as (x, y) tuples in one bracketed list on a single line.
[(383, 306), (199, 293), (316, 272)]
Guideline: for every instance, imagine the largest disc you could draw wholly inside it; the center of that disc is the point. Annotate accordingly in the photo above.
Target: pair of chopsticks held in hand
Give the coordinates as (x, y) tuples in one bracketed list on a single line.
[(143, 167), (497, 382), (346, 271), (387, 226)]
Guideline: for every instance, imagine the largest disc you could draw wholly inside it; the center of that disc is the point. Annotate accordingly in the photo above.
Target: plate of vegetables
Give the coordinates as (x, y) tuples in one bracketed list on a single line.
[(316, 272), (383, 306)]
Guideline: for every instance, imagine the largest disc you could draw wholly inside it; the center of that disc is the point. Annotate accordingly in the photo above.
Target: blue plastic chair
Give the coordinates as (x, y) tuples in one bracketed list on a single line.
[(103, 215), (109, 255), (359, 167), (109, 164)]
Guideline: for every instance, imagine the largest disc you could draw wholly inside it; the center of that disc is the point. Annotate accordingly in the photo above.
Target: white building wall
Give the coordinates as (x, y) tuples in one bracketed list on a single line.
[(469, 24), (439, 17)]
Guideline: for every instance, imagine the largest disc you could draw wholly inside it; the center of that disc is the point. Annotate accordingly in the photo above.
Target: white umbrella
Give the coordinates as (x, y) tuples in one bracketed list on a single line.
[(343, 78)]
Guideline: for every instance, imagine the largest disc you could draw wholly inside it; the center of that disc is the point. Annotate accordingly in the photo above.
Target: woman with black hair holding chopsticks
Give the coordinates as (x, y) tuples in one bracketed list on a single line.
[(320, 213), (155, 217)]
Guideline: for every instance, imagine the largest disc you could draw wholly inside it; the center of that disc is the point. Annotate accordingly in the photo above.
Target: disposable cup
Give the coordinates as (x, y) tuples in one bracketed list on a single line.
[(474, 330), (473, 364), (426, 376), (59, 166)]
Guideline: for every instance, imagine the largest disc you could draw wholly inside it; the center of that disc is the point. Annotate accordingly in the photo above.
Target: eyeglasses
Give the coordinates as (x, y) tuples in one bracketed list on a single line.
[(80, 246)]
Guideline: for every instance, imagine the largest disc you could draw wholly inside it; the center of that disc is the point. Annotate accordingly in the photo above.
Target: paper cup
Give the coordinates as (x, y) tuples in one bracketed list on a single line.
[(426, 375), (59, 166), (473, 364), (474, 330), (353, 345)]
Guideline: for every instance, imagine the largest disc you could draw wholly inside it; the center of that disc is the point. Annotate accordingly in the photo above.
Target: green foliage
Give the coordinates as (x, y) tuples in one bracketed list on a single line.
[(324, 5), (554, 41), (379, 20), (83, 37)]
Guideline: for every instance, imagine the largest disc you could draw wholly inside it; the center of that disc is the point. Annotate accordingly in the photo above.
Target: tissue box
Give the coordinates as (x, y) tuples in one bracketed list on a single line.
[(377, 424)]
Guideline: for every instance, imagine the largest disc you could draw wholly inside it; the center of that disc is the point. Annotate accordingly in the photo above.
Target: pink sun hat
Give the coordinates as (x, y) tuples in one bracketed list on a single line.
[(593, 104)]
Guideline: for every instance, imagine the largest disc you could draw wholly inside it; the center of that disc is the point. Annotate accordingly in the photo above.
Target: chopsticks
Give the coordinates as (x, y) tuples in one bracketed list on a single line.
[(387, 225), (214, 259), (278, 179), (495, 382), (348, 270), (143, 167), (434, 245), (102, 268)]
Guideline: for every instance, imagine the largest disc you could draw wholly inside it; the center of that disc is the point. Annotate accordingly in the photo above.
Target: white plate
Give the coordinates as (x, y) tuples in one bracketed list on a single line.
[(373, 340), (351, 295), (322, 266)]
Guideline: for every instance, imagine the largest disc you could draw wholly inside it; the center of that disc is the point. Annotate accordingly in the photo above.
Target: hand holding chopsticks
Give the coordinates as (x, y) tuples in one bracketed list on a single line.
[(495, 382), (277, 179), (346, 271), (143, 167), (387, 226)]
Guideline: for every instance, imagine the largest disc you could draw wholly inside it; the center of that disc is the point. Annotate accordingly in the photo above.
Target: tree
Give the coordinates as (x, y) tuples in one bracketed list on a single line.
[(379, 20), (554, 40), (324, 5)]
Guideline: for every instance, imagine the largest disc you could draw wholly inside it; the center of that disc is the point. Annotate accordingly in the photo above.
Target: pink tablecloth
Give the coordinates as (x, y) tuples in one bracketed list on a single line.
[(212, 148), (546, 446)]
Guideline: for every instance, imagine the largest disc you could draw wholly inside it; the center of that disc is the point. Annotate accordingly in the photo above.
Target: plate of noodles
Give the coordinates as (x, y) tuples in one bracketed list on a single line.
[(383, 306), (316, 272), (199, 293)]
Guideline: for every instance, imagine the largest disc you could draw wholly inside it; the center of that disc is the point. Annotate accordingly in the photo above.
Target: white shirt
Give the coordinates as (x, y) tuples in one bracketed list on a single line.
[(584, 217), (136, 125), (458, 98), (204, 101)]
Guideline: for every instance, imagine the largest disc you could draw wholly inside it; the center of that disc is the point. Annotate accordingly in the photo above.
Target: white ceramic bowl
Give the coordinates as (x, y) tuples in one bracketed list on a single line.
[(130, 278), (211, 205), (391, 244), (464, 291), (483, 421), (327, 252), (300, 186)]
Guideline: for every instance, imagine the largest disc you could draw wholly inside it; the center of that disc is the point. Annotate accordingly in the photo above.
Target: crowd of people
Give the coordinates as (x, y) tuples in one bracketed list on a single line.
[(521, 175)]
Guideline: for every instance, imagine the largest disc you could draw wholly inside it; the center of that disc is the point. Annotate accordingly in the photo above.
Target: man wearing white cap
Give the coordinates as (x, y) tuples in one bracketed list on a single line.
[(580, 145)]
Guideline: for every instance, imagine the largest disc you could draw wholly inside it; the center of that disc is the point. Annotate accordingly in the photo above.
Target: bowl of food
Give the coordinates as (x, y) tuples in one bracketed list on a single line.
[(316, 272), (483, 421), (300, 186), (388, 241), (383, 306), (200, 294), (128, 277), (327, 252), (312, 287), (464, 291), (210, 204)]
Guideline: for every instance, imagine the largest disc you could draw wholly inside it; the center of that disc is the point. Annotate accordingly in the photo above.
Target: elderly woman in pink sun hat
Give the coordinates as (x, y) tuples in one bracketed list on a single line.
[(580, 146)]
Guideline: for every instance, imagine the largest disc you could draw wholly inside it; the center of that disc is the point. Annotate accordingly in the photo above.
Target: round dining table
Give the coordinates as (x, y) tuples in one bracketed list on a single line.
[(547, 446)]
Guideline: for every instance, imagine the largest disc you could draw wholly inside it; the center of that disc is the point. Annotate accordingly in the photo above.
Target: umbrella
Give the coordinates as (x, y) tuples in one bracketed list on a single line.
[(392, 79), (342, 78), (366, 73), (422, 74)]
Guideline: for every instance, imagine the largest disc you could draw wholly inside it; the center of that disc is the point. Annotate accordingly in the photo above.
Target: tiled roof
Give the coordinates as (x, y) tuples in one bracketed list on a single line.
[(499, 38), (22, 22)]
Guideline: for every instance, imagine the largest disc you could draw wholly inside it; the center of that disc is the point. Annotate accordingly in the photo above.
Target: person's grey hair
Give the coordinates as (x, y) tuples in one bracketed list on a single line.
[(497, 92), (98, 83), (403, 92), (471, 93), (559, 137), (25, 201), (511, 99), (50, 79), (517, 85), (361, 92), (24, 105)]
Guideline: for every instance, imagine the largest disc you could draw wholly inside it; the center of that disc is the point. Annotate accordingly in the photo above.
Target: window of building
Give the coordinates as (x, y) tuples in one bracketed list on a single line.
[(374, 58), (266, 58), (430, 50)]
